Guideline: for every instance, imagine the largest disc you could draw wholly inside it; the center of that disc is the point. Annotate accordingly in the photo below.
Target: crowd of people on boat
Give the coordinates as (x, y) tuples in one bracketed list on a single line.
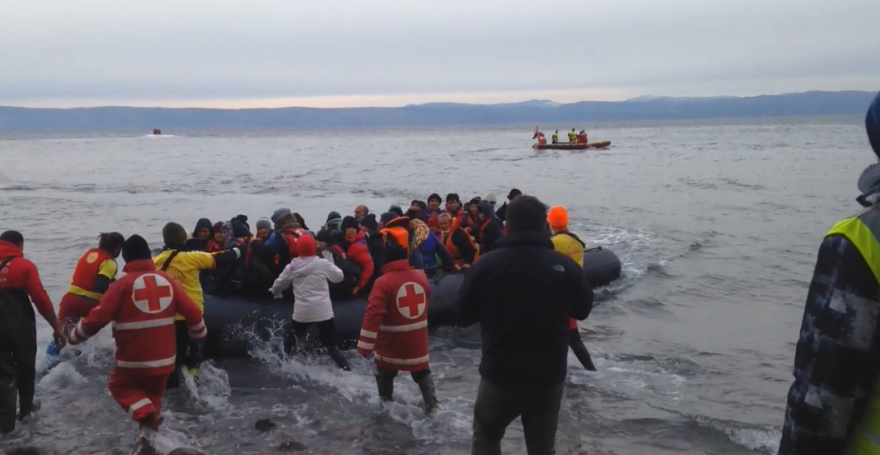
[(156, 307), (573, 138)]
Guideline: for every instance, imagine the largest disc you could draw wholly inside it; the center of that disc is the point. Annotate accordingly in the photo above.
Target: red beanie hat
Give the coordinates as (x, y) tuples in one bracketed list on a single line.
[(305, 246)]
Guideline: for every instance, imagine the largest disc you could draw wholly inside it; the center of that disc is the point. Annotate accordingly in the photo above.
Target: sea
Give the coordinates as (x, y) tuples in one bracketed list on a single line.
[(717, 223)]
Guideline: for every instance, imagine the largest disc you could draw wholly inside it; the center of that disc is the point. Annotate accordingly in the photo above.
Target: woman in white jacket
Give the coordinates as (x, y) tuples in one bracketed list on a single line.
[(308, 275)]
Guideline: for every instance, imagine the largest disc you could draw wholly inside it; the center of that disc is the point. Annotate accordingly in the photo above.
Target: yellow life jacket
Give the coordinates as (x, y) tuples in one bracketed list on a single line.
[(862, 231)]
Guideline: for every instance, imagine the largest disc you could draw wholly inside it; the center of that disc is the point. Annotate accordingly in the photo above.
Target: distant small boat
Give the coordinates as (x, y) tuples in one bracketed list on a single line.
[(156, 132), (567, 146)]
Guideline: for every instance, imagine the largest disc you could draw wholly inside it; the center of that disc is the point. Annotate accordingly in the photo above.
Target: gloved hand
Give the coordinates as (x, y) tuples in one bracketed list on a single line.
[(198, 350), (328, 255)]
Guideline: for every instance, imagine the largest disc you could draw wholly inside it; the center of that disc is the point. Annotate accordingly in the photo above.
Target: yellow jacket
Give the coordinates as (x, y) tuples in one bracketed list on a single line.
[(569, 245), (184, 269)]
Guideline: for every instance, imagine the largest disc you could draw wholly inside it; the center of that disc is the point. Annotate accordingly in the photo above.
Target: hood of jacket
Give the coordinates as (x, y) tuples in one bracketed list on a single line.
[(9, 250), (203, 223), (301, 266), (287, 220)]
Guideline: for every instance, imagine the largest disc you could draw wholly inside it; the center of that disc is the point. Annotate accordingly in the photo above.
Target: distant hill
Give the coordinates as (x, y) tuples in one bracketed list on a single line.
[(845, 103)]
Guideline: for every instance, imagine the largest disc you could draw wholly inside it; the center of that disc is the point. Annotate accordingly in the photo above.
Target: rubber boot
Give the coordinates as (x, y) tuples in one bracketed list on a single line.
[(429, 394), (8, 399), (385, 383), (337, 357)]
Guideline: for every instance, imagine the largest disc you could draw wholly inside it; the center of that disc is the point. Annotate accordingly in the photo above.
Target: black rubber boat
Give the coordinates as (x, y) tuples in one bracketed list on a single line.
[(234, 322)]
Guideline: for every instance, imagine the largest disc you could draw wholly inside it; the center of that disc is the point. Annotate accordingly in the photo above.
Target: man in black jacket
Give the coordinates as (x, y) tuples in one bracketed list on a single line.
[(522, 295)]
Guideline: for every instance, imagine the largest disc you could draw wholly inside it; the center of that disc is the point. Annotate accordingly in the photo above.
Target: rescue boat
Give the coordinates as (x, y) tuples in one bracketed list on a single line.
[(234, 321), (156, 132), (568, 146)]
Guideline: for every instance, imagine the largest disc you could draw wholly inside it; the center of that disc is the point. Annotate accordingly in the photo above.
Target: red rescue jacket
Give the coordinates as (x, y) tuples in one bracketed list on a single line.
[(21, 274), (141, 306), (358, 251), (396, 321)]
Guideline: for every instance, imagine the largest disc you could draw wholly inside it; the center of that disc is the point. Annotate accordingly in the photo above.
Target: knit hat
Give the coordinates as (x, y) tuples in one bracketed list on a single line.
[(136, 249), (434, 222), (218, 227), (435, 197), (370, 222), (558, 217), (453, 197), (490, 197), (475, 201), (279, 213), (334, 216), (513, 194), (350, 222), (393, 250), (264, 223), (305, 246), (388, 216), (240, 229)]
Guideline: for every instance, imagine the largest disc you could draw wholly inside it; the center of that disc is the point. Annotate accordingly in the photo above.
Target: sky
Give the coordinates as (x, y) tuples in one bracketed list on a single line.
[(339, 53)]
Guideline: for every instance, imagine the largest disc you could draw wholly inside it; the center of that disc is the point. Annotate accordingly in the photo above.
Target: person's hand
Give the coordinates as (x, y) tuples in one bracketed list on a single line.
[(328, 255), (60, 340), (355, 290), (457, 268)]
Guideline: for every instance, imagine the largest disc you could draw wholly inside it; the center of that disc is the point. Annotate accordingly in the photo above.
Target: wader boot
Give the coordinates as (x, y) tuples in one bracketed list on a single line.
[(385, 383), (426, 386), (8, 390)]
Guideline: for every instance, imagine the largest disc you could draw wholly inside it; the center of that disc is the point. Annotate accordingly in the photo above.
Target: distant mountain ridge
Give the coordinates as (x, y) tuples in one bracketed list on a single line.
[(815, 103)]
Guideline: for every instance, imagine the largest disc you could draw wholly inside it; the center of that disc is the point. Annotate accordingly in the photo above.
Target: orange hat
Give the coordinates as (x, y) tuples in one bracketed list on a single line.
[(558, 217)]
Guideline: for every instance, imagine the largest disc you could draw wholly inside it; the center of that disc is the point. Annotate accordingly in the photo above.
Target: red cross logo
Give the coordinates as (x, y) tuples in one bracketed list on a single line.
[(152, 293), (411, 300)]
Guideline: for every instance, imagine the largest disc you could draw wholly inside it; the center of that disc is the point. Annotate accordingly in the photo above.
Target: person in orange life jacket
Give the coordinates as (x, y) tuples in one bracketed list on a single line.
[(408, 233), (358, 251), (142, 305), (571, 246), (491, 228), (395, 327), (19, 285), (453, 208), (523, 287), (202, 237), (582, 137), (93, 273), (360, 212), (434, 201), (185, 267), (458, 243), (502, 211), (308, 275)]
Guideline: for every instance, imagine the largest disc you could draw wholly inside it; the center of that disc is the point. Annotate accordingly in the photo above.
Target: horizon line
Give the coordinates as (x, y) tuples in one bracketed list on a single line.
[(387, 101)]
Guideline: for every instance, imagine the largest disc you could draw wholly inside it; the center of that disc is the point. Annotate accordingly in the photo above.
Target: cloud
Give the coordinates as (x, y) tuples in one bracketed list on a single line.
[(343, 51)]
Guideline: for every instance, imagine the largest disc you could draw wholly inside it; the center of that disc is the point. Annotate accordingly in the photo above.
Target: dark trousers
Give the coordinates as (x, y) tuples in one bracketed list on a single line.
[(17, 378), (186, 355), (326, 335), (496, 408), (580, 350)]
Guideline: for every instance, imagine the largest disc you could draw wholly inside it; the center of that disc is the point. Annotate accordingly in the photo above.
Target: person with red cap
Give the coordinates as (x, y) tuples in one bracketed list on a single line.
[(309, 275), (572, 246), (20, 285), (395, 326), (142, 305)]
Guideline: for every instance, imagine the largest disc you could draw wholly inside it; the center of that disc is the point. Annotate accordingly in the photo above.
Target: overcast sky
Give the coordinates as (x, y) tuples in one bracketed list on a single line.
[(391, 52)]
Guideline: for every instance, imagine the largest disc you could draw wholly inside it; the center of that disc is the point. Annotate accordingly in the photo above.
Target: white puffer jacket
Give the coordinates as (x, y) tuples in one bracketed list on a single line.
[(309, 276)]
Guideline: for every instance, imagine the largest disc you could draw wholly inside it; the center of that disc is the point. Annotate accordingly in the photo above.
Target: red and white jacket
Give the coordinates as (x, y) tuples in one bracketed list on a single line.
[(141, 306), (396, 321)]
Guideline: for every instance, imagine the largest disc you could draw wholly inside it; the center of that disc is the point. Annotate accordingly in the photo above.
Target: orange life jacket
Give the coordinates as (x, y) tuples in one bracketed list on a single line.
[(85, 275), (400, 235), (453, 250)]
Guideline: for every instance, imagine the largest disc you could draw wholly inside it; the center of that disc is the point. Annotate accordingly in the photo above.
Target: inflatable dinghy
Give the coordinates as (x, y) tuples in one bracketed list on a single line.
[(234, 322)]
